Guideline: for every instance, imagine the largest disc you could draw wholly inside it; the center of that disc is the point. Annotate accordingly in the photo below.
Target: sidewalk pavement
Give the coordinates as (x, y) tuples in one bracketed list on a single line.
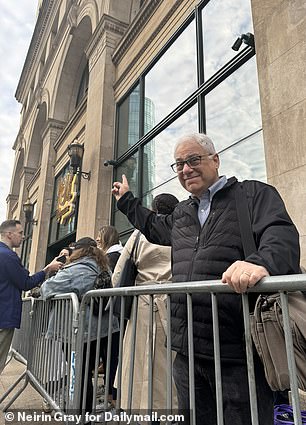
[(29, 399)]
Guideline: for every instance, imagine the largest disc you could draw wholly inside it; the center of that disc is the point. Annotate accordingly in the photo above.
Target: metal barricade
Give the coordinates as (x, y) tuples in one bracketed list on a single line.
[(90, 354), (51, 344), (67, 342), (21, 342)]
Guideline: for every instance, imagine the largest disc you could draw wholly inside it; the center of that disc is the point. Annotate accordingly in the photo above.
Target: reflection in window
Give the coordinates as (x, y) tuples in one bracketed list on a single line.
[(159, 153), (223, 21), (121, 223), (245, 160), (149, 115), (172, 186), (128, 121), (173, 77), (229, 113), (149, 164), (232, 108), (130, 169)]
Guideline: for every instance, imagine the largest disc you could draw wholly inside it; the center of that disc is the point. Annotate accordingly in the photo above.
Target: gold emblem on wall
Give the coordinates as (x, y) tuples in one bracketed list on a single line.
[(66, 197)]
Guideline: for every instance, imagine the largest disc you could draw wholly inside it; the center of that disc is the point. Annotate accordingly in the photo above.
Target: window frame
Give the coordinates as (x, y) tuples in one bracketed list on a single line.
[(197, 97)]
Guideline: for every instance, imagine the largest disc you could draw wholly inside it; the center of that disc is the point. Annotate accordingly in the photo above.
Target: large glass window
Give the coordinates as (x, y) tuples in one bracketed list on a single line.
[(232, 108), (128, 121), (172, 78), (130, 168), (159, 152), (245, 160), (223, 21), (193, 85)]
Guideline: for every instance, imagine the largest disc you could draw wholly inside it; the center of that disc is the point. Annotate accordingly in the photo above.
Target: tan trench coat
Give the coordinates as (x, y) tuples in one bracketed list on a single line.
[(153, 264)]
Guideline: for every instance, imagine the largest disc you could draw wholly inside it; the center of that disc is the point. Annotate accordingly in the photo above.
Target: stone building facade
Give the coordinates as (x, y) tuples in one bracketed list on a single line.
[(126, 78)]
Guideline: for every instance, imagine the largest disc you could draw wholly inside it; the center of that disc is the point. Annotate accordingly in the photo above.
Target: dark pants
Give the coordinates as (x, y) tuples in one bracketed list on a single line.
[(235, 391), (88, 372), (113, 361)]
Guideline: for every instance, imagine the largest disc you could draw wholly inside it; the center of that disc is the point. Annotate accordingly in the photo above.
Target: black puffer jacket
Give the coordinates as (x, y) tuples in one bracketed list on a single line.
[(205, 253)]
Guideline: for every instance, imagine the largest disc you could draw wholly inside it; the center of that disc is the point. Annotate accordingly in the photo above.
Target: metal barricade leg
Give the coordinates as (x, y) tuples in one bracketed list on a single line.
[(21, 349), (11, 389)]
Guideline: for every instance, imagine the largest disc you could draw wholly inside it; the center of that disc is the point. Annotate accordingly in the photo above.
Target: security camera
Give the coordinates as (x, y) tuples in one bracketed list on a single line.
[(247, 39), (108, 162), (236, 46)]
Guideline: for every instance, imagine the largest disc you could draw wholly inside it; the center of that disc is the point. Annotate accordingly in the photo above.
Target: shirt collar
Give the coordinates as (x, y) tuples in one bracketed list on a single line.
[(213, 189), (3, 243)]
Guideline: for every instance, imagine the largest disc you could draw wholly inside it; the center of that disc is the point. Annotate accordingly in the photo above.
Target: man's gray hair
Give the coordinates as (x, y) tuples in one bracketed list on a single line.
[(200, 138)]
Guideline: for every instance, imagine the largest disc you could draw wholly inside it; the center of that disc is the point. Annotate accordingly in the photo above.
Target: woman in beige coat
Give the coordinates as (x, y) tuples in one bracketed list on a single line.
[(154, 266)]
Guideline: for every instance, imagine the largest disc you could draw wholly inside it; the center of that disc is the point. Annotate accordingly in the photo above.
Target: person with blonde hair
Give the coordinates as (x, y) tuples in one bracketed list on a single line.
[(108, 241)]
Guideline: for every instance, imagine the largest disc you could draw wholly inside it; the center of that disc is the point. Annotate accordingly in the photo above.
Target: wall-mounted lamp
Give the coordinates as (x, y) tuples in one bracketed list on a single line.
[(76, 152), (108, 162), (28, 209), (247, 38)]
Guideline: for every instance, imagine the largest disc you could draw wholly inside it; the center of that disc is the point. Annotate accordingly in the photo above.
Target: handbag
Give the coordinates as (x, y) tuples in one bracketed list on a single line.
[(127, 278), (269, 340), (267, 320)]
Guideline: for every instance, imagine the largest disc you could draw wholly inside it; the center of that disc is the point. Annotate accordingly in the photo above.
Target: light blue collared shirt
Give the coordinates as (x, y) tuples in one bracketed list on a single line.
[(206, 199)]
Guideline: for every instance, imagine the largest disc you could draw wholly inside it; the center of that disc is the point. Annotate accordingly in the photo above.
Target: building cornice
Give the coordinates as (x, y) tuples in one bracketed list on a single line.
[(11, 197), (106, 24), (27, 170), (19, 141), (41, 24), (135, 29), (53, 126)]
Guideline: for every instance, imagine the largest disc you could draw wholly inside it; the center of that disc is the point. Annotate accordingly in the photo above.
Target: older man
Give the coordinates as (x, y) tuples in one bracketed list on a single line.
[(14, 279), (206, 244)]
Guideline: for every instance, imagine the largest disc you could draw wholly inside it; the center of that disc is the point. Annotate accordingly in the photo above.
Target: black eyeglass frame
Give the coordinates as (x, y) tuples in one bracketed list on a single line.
[(187, 161)]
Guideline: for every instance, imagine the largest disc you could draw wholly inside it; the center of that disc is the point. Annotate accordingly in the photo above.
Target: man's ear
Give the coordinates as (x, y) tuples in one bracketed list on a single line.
[(216, 160)]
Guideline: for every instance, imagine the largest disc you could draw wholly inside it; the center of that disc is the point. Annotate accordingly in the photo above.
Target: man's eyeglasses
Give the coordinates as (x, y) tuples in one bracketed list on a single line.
[(191, 162)]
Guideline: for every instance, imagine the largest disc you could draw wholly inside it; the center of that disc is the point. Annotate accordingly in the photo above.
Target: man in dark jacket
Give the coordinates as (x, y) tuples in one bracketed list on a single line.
[(14, 279), (206, 245)]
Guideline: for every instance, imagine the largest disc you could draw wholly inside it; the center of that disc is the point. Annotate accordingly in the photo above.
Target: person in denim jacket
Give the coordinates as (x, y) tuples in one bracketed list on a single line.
[(78, 276)]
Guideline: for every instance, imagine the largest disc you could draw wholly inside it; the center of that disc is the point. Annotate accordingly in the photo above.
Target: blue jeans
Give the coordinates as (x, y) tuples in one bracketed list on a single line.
[(235, 391)]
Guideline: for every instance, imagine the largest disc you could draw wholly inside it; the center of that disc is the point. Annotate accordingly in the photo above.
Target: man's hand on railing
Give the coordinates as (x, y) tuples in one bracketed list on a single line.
[(242, 275)]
